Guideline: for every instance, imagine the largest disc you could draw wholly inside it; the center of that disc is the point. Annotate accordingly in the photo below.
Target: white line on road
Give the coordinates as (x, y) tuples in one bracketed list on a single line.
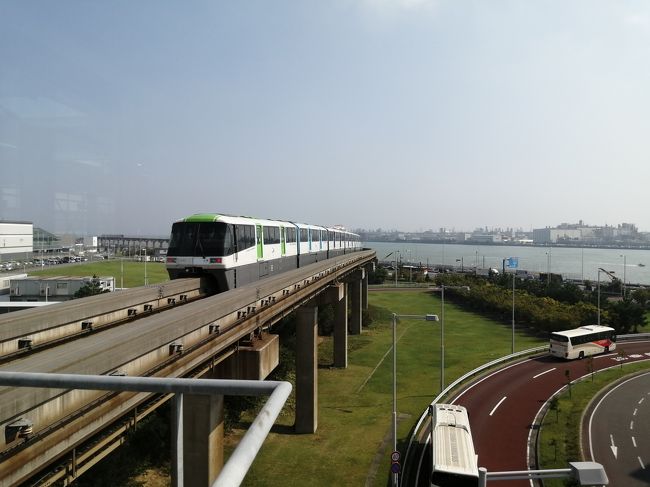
[(498, 404), (641, 462), (634, 442), (634, 413), (641, 400), (549, 370), (613, 446), (631, 425)]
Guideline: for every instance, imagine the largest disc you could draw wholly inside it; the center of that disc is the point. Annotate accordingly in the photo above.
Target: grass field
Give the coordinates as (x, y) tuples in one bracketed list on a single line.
[(353, 440), (129, 272)]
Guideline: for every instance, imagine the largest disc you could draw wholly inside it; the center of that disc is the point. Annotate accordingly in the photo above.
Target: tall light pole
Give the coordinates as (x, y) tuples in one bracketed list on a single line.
[(610, 274), (428, 317), (442, 328), (624, 269), (145, 265), (514, 275), (513, 263)]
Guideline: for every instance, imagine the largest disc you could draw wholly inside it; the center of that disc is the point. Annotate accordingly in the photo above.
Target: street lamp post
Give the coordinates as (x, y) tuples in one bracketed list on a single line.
[(144, 251), (624, 269), (442, 328), (610, 274), (428, 317)]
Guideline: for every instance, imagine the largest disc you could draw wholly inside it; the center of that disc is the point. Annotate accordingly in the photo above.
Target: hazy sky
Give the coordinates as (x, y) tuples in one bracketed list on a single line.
[(122, 116)]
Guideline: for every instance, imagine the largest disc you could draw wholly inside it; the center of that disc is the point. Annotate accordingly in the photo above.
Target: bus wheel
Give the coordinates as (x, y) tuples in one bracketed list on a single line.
[(581, 355)]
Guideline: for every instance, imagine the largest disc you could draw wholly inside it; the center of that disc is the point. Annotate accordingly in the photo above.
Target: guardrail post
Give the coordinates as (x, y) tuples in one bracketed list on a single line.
[(306, 369)]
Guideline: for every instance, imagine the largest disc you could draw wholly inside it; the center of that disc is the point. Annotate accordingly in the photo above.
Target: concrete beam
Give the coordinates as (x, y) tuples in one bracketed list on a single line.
[(333, 294), (251, 362), (306, 369)]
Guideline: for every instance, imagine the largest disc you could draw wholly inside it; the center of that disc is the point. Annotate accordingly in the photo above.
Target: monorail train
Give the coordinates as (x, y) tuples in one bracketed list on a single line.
[(237, 250)]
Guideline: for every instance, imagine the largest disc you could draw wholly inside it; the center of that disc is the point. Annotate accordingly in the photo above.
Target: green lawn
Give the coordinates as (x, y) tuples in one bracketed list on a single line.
[(131, 273), (353, 440)]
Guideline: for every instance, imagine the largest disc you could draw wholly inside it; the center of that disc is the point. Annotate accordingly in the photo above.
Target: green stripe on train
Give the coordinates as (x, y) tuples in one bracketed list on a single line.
[(203, 217)]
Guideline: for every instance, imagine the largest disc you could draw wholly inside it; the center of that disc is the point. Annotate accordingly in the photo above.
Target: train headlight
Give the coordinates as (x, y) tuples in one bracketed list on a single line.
[(171, 260), (215, 260)]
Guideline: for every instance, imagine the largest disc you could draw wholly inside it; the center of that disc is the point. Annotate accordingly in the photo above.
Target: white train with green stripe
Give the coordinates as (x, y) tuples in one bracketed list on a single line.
[(237, 250)]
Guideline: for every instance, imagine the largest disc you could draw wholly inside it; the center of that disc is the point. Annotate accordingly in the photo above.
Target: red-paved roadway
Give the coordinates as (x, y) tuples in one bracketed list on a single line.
[(500, 427)]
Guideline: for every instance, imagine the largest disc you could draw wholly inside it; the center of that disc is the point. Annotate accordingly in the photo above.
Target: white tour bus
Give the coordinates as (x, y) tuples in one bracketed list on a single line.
[(582, 342)]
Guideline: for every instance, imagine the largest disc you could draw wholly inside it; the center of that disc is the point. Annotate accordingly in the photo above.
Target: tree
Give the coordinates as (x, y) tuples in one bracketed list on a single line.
[(90, 289), (642, 297), (626, 315), (378, 276)]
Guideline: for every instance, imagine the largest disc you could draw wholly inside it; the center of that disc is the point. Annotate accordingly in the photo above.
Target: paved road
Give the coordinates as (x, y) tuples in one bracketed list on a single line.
[(502, 407), (619, 432)]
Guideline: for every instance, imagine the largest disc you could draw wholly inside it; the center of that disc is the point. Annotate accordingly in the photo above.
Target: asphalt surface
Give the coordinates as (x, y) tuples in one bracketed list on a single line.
[(618, 432)]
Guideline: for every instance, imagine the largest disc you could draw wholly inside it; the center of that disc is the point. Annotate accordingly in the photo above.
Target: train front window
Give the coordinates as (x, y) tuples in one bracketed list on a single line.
[(201, 239)]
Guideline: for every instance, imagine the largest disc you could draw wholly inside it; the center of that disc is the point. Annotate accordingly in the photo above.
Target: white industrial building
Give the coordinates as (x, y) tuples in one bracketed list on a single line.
[(16, 240), (54, 288), (553, 235)]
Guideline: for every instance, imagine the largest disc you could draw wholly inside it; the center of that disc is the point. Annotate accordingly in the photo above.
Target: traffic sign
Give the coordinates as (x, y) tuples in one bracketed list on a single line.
[(395, 456), (395, 467)]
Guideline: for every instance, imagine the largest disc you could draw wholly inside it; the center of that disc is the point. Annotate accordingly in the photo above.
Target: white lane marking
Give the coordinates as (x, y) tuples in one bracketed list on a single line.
[(641, 400), (631, 425), (498, 404), (641, 462), (634, 442), (613, 447), (539, 375), (634, 413)]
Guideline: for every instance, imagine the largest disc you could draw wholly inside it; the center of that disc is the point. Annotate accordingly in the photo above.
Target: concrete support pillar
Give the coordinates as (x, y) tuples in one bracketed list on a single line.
[(306, 369), (341, 329), (202, 439), (364, 291), (355, 302)]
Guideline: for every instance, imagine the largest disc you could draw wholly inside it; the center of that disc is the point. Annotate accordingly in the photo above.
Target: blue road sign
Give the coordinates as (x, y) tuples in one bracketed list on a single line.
[(512, 262)]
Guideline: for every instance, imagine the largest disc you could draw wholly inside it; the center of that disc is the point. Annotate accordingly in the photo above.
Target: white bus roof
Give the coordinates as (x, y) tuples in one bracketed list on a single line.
[(583, 330), (453, 449)]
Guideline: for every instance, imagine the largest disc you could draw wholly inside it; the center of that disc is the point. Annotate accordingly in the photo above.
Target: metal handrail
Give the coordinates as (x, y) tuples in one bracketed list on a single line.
[(241, 459)]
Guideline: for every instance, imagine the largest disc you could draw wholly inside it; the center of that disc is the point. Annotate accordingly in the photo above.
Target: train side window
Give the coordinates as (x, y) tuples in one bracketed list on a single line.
[(245, 236)]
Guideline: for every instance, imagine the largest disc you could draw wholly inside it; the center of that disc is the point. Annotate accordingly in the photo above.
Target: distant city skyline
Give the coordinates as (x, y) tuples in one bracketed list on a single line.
[(121, 117)]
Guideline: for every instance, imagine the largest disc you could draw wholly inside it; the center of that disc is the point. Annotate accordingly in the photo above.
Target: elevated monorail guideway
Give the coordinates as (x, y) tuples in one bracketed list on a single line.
[(32, 329), (178, 342)]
